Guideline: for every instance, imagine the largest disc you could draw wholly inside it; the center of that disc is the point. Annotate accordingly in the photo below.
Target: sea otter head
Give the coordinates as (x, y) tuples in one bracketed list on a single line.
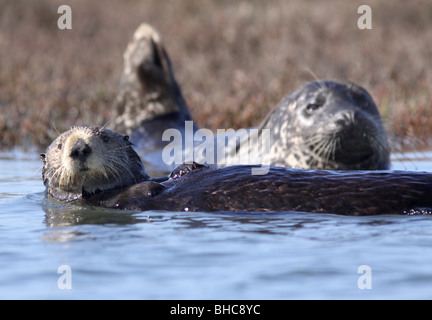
[(87, 160)]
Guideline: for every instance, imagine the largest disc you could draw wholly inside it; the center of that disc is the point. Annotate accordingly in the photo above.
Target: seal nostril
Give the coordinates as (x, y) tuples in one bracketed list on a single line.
[(80, 150), (346, 119)]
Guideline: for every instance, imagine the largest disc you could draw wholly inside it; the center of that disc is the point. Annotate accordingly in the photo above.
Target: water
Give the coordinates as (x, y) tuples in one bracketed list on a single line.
[(170, 255)]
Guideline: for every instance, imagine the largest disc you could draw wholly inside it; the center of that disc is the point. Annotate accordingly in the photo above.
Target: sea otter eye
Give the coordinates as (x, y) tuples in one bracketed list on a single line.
[(105, 139), (126, 138), (59, 146)]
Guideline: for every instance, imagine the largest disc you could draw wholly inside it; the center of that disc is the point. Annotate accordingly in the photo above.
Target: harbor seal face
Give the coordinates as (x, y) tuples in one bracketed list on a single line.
[(86, 160), (328, 125)]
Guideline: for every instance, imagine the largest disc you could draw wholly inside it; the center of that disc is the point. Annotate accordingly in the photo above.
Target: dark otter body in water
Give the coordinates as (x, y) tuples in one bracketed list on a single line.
[(96, 166), (323, 125), (282, 189)]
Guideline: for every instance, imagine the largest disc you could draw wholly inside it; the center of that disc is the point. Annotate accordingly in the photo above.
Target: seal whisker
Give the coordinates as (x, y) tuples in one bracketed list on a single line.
[(327, 121), (327, 149), (335, 141)]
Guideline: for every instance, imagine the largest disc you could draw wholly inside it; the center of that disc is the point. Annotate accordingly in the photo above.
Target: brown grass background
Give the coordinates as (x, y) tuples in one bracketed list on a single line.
[(233, 59)]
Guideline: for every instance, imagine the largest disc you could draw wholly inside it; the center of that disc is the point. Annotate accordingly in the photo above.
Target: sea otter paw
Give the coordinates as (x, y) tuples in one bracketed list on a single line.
[(185, 168)]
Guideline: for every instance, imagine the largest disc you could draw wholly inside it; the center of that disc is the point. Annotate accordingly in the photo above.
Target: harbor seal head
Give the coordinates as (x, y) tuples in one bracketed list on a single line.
[(328, 125)]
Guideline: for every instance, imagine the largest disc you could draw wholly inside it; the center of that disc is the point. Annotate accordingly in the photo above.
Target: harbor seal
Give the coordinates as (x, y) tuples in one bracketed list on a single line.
[(96, 166), (327, 125)]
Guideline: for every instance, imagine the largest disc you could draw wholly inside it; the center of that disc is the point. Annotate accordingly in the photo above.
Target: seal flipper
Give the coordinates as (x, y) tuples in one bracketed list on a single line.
[(148, 88), (149, 100)]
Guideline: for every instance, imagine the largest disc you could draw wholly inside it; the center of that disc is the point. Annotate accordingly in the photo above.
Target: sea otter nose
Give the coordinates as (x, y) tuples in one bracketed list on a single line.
[(80, 151)]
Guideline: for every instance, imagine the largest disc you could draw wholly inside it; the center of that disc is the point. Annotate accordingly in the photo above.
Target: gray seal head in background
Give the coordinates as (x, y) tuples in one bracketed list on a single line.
[(326, 125)]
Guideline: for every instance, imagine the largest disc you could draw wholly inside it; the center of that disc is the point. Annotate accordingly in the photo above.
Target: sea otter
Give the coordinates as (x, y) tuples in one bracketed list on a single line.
[(323, 125), (97, 166)]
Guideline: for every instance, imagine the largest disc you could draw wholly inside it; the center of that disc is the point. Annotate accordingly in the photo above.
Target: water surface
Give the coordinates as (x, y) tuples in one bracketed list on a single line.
[(177, 255)]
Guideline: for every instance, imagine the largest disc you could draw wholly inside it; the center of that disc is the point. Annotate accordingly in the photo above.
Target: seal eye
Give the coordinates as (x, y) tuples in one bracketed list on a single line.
[(312, 107)]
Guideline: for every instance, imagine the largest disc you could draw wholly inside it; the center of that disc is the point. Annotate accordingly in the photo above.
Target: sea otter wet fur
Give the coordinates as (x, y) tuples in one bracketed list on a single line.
[(79, 166)]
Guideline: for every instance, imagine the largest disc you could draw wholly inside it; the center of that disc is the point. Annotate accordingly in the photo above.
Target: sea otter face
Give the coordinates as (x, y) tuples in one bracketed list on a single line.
[(87, 160), (338, 127)]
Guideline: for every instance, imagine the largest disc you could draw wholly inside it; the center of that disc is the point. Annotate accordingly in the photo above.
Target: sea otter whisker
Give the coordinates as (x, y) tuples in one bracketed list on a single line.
[(118, 149), (113, 172), (37, 170), (107, 123), (120, 163), (110, 167)]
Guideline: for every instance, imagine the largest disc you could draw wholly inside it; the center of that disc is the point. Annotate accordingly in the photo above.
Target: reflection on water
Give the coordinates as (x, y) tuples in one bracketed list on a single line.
[(68, 214)]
